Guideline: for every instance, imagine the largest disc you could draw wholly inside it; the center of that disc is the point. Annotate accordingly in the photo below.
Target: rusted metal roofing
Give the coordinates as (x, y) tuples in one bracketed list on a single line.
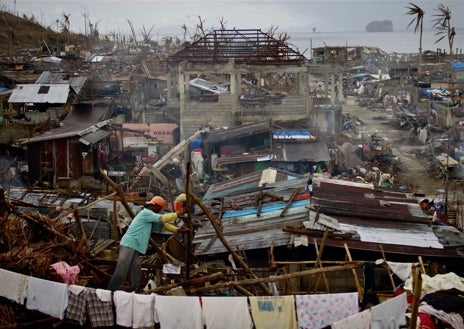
[(76, 81), (289, 151), (242, 46), (89, 133), (40, 93)]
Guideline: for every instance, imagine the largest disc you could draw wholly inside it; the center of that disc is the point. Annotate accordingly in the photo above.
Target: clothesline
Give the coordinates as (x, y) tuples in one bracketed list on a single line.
[(105, 308)]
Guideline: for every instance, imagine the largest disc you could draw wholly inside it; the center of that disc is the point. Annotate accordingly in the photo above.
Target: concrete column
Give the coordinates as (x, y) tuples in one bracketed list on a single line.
[(182, 103), (235, 92), (332, 89)]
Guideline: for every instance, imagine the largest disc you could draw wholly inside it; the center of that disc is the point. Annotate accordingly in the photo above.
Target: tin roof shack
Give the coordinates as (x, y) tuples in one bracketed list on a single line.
[(41, 105), (265, 79), (249, 148), (77, 148)]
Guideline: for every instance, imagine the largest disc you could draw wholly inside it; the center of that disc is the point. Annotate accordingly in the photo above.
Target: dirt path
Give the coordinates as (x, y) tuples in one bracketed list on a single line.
[(413, 167)]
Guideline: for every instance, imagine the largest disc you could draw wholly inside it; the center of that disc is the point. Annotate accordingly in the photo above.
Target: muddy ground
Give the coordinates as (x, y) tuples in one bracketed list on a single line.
[(414, 173)]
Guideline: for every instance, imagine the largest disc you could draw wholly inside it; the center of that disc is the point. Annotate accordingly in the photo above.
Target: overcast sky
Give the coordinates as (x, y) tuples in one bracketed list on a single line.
[(167, 16)]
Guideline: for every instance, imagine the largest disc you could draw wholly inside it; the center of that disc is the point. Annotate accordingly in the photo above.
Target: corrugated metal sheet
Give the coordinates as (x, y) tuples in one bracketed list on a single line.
[(40, 93), (249, 182), (93, 137), (238, 132), (76, 82), (67, 131), (293, 152)]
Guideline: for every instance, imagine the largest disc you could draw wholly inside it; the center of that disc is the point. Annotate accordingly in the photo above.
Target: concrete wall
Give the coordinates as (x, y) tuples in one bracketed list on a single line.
[(219, 114)]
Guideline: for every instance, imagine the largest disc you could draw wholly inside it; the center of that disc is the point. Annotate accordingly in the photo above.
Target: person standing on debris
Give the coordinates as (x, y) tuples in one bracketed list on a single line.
[(135, 241)]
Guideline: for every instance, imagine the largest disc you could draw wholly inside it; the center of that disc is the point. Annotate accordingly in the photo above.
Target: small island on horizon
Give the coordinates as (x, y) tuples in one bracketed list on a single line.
[(380, 26)]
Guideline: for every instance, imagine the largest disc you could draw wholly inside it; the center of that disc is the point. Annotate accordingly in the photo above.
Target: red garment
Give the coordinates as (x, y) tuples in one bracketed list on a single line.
[(426, 321)]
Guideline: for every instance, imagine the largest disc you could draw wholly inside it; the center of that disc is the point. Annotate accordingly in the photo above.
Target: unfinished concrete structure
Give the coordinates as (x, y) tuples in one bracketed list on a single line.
[(262, 76)]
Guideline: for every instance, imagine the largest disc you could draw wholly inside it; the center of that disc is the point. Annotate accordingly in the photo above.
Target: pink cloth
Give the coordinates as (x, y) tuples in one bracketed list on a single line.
[(319, 311), (69, 274)]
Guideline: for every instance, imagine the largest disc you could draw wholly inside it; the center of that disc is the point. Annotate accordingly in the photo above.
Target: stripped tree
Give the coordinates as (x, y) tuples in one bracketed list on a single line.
[(442, 23)]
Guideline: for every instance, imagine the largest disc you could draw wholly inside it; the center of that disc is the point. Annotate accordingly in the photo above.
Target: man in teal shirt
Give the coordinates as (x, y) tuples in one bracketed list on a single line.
[(135, 241)]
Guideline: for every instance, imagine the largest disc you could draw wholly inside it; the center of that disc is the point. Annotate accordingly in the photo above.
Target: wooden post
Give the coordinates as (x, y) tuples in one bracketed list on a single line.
[(115, 222), (387, 267), (318, 263), (188, 224), (289, 202), (417, 289), (355, 275)]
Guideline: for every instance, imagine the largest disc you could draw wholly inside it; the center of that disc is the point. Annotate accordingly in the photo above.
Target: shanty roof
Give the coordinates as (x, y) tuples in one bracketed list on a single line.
[(83, 122), (89, 133), (289, 151), (241, 46), (74, 80), (40, 93)]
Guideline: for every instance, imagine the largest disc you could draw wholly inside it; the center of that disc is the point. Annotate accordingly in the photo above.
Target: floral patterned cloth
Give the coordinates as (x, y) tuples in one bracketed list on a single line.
[(319, 311)]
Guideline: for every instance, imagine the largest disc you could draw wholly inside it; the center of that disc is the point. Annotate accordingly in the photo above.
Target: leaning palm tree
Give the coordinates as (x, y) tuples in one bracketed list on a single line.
[(442, 23), (418, 19)]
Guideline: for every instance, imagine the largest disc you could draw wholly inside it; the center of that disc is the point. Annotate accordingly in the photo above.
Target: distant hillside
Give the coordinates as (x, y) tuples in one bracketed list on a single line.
[(380, 26), (20, 33)]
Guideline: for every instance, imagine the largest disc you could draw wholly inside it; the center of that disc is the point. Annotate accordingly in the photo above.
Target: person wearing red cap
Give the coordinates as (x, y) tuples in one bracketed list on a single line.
[(135, 241)]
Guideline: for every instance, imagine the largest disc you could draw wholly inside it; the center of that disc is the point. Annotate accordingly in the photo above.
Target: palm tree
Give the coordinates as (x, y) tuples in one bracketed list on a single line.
[(442, 23), (418, 19)]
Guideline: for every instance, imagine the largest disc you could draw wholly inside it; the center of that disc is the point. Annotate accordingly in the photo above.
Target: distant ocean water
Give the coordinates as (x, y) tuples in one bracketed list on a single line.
[(400, 42)]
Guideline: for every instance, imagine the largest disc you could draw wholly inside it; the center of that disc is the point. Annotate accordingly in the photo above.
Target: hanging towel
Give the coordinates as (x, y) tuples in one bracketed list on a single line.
[(123, 302), (48, 297), (360, 320), (319, 311), (143, 311), (226, 313), (273, 312), (178, 312), (15, 290), (390, 314)]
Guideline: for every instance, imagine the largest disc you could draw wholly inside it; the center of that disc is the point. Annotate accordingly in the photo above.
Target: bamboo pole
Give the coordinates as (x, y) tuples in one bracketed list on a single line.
[(188, 224), (289, 202), (318, 263), (277, 277), (355, 275), (387, 267), (203, 279), (417, 289)]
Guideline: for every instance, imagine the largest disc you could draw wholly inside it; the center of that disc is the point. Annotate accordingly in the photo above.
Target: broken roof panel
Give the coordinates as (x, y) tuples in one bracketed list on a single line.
[(74, 80), (40, 93), (227, 134), (307, 151), (89, 132), (249, 182), (241, 46)]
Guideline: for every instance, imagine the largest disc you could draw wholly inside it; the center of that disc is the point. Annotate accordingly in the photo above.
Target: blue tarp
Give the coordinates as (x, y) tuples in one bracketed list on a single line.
[(457, 65)]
